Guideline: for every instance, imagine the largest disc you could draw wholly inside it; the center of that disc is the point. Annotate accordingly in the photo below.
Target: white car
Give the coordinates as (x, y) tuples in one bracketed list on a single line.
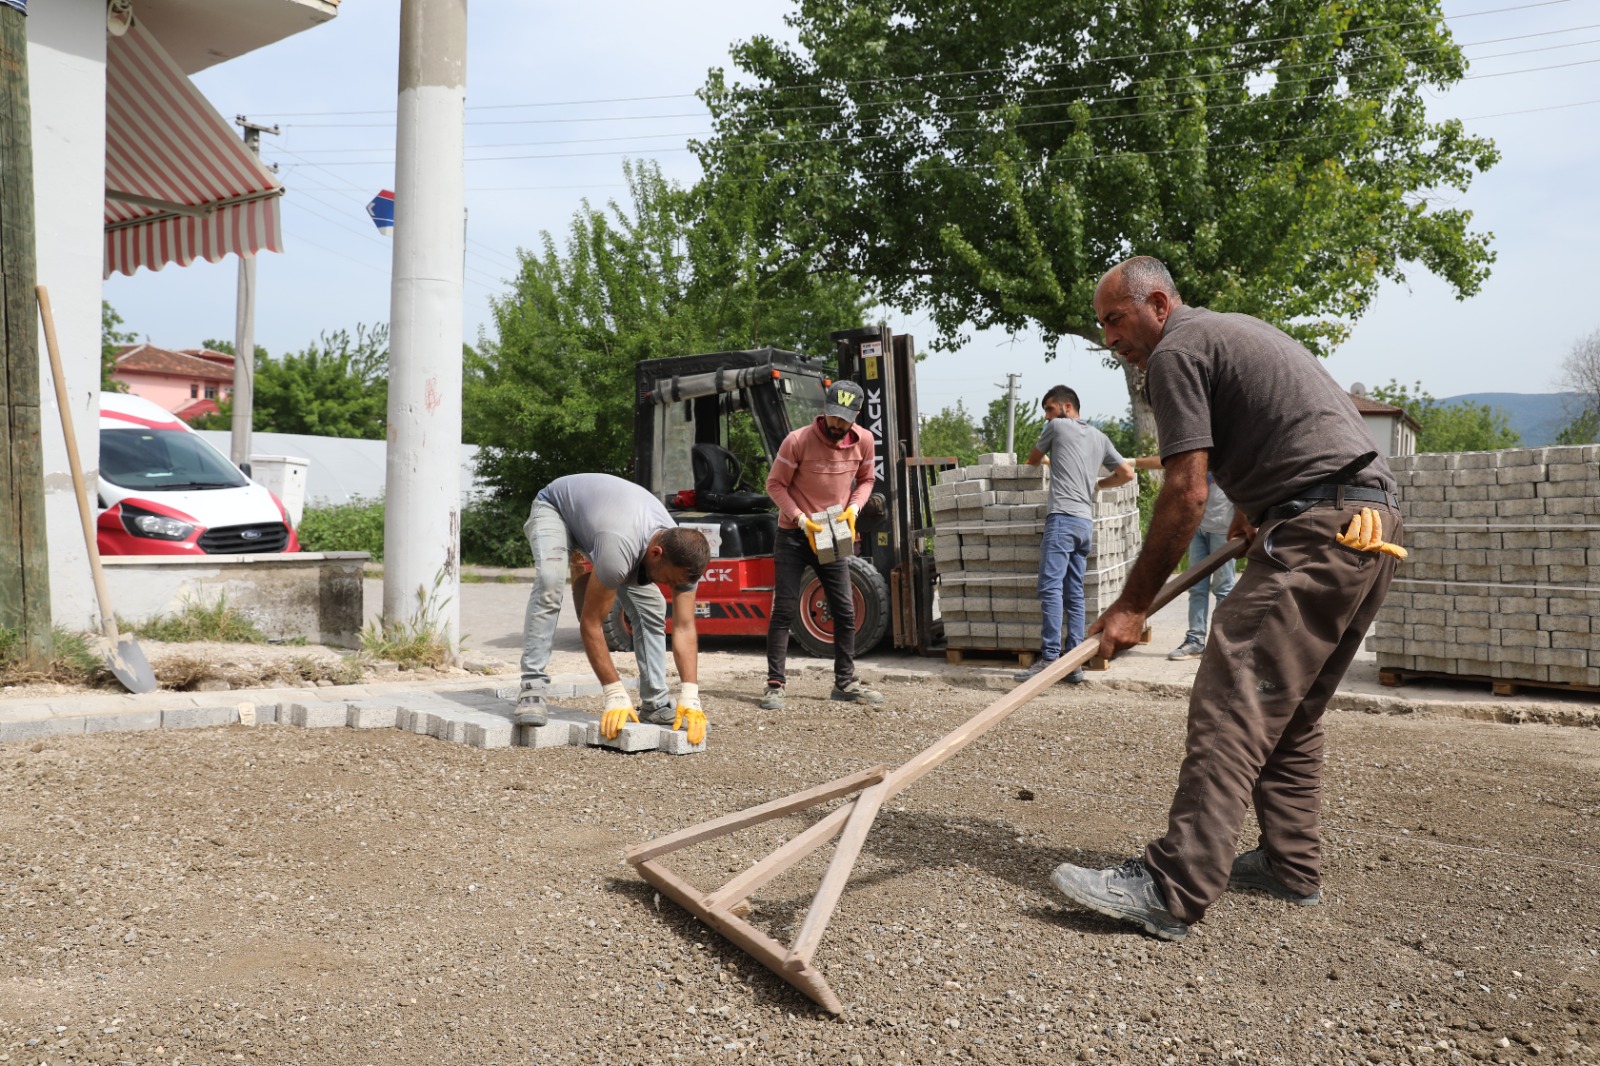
[(165, 491)]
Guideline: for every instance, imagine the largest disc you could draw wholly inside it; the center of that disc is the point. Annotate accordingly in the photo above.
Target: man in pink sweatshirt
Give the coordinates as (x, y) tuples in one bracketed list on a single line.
[(826, 463)]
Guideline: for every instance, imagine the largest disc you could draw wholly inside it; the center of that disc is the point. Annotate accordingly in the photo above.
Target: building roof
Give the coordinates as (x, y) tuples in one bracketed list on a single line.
[(196, 408), (148, 359), (1368, 406)]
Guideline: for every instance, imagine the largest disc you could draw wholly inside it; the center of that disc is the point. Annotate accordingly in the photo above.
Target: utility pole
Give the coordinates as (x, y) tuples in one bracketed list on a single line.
[(244, 326), (422, 513), (1011, 412), (24, 559)]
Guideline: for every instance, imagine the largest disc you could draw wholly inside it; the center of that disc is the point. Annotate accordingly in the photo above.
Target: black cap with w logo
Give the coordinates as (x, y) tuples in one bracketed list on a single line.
[(843, 400)]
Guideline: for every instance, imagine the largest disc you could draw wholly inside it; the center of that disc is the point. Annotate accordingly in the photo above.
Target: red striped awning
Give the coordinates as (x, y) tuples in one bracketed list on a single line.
[(180, 185)]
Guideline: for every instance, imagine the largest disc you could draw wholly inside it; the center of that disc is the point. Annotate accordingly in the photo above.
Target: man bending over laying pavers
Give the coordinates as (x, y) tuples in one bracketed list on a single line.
[(634, 544)]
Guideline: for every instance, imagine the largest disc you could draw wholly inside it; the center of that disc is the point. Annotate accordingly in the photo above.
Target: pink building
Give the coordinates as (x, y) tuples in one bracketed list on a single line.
[(189, 383)]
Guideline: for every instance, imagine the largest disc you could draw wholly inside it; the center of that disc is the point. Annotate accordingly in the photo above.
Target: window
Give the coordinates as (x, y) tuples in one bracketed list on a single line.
[(211, 392), (194, 391)]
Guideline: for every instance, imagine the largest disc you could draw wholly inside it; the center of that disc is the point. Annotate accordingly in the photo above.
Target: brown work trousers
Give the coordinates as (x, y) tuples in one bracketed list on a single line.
[(1280, 643)]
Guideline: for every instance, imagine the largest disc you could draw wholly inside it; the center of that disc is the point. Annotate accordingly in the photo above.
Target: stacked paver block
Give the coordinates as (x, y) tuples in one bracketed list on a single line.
[(989, 522), (834, 540), (1503, 579)]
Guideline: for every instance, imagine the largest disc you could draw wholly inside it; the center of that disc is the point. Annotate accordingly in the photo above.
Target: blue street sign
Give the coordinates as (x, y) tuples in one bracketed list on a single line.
[(381, 211)]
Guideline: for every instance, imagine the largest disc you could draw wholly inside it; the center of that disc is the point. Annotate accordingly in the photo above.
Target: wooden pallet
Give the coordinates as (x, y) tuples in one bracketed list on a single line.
[(972, 656), (1023, 658), (1499, 686)]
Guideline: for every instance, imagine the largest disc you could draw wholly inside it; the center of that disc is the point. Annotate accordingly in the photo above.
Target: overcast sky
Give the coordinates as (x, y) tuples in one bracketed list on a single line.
[(534, 70)]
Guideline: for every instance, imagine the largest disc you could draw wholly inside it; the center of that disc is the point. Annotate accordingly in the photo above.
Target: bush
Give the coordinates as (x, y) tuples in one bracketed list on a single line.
[(491, 532), (356, 526)]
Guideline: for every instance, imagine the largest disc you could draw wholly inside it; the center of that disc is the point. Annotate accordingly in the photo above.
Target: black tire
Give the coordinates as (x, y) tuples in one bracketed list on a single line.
[(617, 628), (813, 625)]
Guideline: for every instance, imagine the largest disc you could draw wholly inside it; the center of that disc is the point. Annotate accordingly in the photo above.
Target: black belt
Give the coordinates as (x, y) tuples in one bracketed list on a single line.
[(1328, 490)]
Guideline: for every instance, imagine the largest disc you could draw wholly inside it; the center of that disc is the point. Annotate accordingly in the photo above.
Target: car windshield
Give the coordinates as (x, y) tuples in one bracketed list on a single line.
[(163, 460)]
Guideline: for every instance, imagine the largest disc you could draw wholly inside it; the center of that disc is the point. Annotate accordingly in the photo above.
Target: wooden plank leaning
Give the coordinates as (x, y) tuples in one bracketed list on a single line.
[(867, 791)]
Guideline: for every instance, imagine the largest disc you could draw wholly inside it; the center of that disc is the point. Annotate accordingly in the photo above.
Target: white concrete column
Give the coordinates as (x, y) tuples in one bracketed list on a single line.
[(67, 84), (422, 520)]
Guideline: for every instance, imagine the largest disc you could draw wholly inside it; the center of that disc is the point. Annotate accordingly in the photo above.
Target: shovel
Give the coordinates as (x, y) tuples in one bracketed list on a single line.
[(122, 653)]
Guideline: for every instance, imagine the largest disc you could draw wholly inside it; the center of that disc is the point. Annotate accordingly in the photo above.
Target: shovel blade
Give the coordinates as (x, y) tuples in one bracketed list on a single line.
[(126, 659)]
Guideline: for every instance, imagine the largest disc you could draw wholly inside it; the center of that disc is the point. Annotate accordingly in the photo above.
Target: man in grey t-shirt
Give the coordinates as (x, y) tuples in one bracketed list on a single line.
[(1076, 451), (634, 544), (1238, 398)]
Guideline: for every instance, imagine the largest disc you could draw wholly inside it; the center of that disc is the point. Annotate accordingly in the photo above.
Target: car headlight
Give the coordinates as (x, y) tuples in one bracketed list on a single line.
[(142, 523)]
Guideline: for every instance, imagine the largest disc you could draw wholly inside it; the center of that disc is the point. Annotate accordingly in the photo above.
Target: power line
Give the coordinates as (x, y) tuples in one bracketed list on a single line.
[(1196, 49)]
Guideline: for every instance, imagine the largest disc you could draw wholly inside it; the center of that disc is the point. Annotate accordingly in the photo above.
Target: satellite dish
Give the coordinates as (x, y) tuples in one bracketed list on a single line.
[(1358, 389)]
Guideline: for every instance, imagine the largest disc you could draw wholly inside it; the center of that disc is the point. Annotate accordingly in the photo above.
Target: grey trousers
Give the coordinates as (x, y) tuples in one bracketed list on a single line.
[(1280, 643)]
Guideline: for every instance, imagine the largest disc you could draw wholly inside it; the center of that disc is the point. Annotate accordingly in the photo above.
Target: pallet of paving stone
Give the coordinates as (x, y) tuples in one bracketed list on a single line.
[(1499, 686)]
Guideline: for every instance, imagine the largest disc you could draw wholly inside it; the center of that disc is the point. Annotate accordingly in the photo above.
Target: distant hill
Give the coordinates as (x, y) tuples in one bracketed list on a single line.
[(1536, 416)]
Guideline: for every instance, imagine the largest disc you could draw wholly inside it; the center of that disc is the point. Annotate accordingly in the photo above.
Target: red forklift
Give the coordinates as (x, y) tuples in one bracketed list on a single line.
[(705, 432)]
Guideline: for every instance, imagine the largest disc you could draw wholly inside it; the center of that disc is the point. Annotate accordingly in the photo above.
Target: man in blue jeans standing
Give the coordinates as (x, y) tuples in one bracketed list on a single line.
[(1212, 534), (1076, 451)]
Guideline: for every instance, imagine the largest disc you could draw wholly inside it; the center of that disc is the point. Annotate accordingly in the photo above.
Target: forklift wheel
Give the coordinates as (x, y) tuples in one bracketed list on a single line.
[(617, 628), (813, 624)]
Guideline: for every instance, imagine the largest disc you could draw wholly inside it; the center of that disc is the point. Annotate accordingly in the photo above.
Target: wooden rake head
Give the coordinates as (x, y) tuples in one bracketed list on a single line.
[(866, 791)]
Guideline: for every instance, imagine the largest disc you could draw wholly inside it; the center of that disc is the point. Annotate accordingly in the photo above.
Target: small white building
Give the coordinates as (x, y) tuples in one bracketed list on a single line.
[(1393, 430), (133, 168)]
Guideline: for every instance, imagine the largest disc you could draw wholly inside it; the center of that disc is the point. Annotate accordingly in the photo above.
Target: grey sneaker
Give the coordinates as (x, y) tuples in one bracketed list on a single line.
[(1033, 671), (1253, 871), (665, 714), (853, 691), (1189, 649), (772, 699), (530, 707), (1127, 893)]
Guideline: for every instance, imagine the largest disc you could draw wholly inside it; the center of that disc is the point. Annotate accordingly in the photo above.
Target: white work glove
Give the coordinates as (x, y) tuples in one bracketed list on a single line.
[(690, 717), (619, 710)]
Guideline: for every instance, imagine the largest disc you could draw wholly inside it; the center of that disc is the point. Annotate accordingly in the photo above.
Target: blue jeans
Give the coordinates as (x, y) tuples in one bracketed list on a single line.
[(1063, 557), (1222, 580), (644, 605)]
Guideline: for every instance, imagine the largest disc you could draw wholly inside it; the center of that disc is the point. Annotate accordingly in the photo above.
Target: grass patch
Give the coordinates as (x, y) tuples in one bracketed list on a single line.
[(346, 670), (196, 621), (74, 659), (419, 641)]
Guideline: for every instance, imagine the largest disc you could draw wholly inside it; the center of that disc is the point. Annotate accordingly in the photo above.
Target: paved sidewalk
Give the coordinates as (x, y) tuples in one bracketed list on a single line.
[(730, 669)]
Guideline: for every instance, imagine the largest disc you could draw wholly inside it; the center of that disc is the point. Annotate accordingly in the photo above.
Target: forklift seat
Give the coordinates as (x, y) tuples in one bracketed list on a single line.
[(716, 482)]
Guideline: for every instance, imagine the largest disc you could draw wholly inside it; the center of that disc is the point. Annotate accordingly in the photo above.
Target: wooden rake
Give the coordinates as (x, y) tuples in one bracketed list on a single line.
[(721, 908)]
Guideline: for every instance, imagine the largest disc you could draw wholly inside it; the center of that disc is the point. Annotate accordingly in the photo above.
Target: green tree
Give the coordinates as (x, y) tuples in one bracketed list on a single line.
[(1029, 424), (111, 338), (952, 432), (336, 387), (987, 162), (676, 272), (1463, 426), (1583, 429)]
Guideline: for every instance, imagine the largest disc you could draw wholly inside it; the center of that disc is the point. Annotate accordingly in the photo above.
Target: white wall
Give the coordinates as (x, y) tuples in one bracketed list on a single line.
[(67, 87)]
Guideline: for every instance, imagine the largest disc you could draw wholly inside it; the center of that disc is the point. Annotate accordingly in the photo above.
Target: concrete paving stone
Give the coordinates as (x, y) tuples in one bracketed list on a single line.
[(1519, 508), (1468, 476), (1477, 635), (1562, 557), (1574, 675), (676, 742), (1512, 574), (1521, 611), (486, 730), (1438, 664), (633, 737), (372, 714), (126, 722), (1470, 508), (1475, 575), (1573, 657), (1567, 605), (38, 728), (1589, 642), (1481, 619), (1568, 506), (1524, 638), (1477, 602), (317, 714), (1427, 618), (199, 717)]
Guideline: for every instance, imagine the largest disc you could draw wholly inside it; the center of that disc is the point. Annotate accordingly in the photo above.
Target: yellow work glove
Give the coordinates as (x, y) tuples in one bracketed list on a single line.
[(1366, 534), (849, 516), (690, 718), (810, 528), (619, 711)]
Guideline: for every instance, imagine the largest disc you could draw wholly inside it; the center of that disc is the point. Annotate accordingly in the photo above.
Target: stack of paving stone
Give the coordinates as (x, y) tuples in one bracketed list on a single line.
[(1503, 581), (989, 521)]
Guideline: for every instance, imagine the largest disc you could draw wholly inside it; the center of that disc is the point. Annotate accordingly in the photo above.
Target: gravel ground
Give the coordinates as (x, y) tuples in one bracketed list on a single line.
[(277, 895)]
